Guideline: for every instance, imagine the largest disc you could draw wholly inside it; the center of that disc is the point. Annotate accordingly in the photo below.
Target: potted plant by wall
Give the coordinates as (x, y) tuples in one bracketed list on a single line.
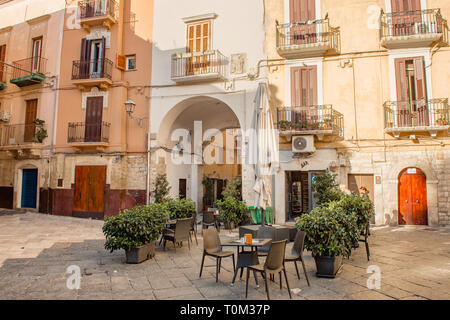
[(40, 133), (162, 188), (329, 236), (232, 212), (208, 195), (442, 121), (135, 231), (284, 125)]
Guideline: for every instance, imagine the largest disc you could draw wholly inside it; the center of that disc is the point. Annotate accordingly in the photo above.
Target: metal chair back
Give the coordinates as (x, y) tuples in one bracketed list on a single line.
[(211, 241), (182, 229), (275, 258), (299, 243)]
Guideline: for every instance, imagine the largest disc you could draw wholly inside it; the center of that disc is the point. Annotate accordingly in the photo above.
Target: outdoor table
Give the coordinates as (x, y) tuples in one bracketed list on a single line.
[(245, 258)]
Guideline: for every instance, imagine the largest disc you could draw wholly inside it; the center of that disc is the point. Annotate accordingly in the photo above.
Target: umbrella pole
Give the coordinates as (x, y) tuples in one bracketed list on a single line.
[(263, 217)]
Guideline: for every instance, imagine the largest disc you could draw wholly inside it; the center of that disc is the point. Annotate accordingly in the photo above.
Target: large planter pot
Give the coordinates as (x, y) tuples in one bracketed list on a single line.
[(140, 254), (328, 267)]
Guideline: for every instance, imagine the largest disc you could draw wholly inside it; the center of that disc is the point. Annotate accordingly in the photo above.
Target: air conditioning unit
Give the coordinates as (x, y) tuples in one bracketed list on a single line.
[(421, 28), (303, 144), (5, 116)]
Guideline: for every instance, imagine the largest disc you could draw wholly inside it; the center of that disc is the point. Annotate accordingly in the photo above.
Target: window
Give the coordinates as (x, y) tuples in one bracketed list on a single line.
[(199, 36), (131, 62)]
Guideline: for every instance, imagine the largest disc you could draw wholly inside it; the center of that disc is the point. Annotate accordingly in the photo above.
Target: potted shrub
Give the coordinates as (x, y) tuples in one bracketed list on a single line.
[(442, 122), (232, 211), (162, 188), (179, 208), (135, 231), (329, 236), (360, 206)]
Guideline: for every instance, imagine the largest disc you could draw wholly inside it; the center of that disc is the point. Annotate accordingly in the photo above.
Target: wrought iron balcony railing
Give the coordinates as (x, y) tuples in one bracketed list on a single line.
[(97, 8), (81, 132), (92, 69), (198, 64), (18, 134), (413, 23), (312, 118), (28, 67), (301, 35), (419, 114)]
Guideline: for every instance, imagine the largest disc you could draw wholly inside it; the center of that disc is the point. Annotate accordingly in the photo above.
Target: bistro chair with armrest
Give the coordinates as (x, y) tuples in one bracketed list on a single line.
[(297, 253), (179, 234), (274, 265), (213, 248)]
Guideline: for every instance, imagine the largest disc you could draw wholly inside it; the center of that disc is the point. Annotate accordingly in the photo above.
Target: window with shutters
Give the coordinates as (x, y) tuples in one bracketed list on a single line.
[(199, 36)]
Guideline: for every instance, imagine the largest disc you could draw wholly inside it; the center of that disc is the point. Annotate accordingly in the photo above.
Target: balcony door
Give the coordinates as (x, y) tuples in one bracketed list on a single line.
[(412, 107), (304, 96), (37, 53), (92, 58), (2, 66), (30, 116), (406, 14), (302, 11), (198, 41), (94, 113)]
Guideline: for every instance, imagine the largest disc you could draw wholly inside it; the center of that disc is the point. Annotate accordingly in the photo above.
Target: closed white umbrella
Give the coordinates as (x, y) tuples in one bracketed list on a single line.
[(267, 157)]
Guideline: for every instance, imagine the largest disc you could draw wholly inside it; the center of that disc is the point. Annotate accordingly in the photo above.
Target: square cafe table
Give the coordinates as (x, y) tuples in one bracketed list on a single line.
[(245, 258)]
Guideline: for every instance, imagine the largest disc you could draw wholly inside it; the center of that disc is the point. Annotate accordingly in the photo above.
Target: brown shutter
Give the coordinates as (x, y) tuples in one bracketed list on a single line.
[(121, 62), (2, 59), (30, 116), (401, 80), (103, 64), (302, 10), (94, 113), (419, 74)]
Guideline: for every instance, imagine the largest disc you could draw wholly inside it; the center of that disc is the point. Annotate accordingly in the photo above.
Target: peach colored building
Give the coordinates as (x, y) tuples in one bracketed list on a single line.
[(30, 50), (100, 158)]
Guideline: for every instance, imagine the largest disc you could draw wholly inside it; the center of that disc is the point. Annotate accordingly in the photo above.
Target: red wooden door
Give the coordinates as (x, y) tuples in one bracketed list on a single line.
[(94, 113), (406, 13), (30, 116), (304, 96), (302, 11), (89, 191), (412, 197)]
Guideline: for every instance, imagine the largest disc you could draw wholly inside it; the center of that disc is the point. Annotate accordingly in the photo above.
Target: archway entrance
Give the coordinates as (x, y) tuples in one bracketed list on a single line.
[(412, 197), (205, 133)]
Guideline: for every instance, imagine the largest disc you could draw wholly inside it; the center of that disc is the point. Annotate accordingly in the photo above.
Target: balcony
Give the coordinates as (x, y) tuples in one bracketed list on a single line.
[(92, 73), (97, 13), (313, 120), (28, 71), (307, 39), (22, 140), (198, 66), (84, 136), (407, 117), (412, 29)]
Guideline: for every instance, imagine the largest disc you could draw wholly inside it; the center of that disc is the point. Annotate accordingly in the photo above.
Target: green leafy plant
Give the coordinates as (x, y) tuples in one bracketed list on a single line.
[(232, 210), (233, 189), (284, 124), (208, 195), (162, 188), (179, 208), (361, 207), (134, 227), (329, 232), (325, 188), (40, 133)]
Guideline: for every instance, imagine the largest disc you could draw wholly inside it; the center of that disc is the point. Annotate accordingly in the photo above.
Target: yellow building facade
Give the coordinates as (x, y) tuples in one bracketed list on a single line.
[(360, 88)]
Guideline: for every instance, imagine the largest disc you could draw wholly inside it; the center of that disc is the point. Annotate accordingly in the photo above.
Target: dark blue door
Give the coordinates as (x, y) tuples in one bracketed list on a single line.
[(29, 188)]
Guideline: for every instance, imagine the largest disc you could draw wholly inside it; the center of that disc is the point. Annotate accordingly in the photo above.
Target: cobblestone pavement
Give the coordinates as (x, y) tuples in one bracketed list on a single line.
[(35, 251)]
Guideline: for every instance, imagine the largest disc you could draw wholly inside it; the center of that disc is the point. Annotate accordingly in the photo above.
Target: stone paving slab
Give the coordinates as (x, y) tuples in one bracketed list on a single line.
[(36, 249)]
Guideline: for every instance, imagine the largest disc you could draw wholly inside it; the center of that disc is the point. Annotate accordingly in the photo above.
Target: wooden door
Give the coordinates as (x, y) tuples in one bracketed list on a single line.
[(412, 197), (94, 113), (198, 40), (29, 188), (89, 191), (412, 107), (30, 116), (304, 96), (2, 66), (302, 11), (406, 13)]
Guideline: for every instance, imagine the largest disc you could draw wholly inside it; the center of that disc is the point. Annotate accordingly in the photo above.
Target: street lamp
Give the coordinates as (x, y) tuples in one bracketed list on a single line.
[(129, 108)]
